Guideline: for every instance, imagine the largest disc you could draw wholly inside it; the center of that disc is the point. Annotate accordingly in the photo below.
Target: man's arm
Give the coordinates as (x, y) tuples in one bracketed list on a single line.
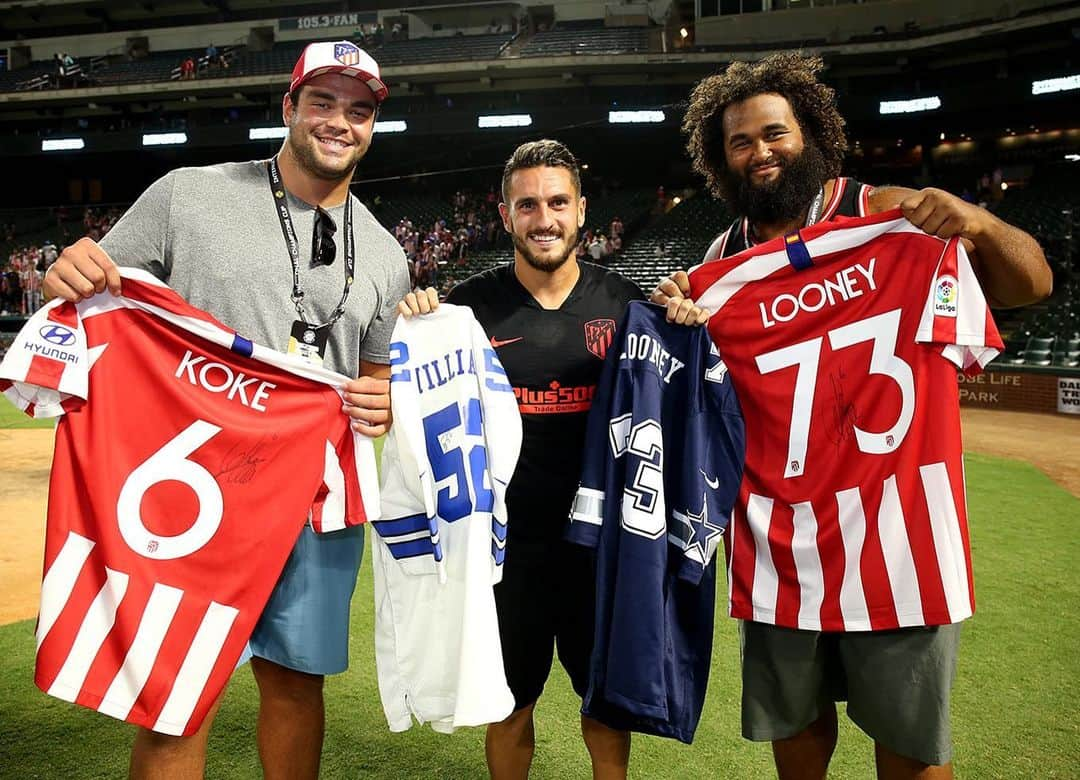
[(1009, 263), (367, 399)]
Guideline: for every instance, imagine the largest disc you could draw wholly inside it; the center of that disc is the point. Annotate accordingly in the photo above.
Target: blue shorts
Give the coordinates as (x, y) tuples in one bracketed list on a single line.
[(305, 624)]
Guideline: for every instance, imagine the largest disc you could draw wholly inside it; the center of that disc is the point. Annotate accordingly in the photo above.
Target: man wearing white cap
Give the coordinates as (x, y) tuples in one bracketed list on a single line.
[(232, 240)]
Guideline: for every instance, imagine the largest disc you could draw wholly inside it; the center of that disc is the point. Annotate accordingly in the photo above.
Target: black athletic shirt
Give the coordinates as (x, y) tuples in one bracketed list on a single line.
[(553, 358)]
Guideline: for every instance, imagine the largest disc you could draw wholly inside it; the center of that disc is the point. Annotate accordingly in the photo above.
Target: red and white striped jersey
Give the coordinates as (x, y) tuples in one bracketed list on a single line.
[(843, 341), (186, 462)]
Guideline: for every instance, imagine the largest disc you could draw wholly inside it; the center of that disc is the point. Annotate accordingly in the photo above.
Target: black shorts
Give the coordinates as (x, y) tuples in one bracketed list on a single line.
[(547, 598)]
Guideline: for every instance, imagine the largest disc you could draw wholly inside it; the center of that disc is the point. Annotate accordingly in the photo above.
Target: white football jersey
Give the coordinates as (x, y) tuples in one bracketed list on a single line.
[(439, 548)]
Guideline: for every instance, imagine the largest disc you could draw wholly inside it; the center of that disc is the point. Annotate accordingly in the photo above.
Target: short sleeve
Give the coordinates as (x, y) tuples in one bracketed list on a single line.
[(376, 345), (139, 239), (46, 370), (955, 314)]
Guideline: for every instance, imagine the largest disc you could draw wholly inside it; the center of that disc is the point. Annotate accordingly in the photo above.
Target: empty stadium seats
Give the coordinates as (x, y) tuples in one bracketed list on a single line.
[(587, 38)]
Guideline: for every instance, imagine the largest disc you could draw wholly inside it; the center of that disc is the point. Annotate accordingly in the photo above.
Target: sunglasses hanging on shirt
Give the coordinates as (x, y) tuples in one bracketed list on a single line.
[(306, 338), (323, 248)]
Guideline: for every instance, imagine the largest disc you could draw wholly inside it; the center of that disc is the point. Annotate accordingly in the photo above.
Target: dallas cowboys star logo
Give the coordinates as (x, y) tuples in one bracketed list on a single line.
[(701, 533)]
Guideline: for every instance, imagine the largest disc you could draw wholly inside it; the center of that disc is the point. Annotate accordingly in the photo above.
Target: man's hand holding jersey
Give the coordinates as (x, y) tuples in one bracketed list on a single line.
[(85, 269), (418, 302), (81, 271), (673, 293)]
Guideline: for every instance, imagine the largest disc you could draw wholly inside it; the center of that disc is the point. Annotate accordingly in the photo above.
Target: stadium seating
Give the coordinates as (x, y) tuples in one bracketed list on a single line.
[(451, 49), (165, 65), (587, 38), (676, 240)]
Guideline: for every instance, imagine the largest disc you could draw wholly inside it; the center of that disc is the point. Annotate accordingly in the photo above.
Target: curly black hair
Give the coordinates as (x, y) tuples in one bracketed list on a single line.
[(789, 74)]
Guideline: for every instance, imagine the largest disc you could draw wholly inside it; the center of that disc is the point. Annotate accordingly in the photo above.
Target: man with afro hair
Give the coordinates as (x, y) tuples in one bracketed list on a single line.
[(768, 139)]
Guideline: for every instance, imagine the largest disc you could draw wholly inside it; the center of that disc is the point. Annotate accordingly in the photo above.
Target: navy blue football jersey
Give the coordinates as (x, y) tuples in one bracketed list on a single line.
[(663, 460)]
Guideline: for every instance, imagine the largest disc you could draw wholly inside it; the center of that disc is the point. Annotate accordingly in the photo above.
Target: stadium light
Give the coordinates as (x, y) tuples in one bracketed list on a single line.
[(267, 133), (1062, 84), (391, 126), (635, 117), (504, 120), (164, 139), (909, 106), (62, 144), (1073, 157)]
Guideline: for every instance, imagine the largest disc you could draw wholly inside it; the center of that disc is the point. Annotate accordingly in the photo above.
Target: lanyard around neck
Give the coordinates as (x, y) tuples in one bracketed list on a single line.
[(291, 243)]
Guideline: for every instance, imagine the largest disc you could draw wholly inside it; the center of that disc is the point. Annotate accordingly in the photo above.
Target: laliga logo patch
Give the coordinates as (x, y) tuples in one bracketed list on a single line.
[(57, 334), (945, 294), (346, 53)]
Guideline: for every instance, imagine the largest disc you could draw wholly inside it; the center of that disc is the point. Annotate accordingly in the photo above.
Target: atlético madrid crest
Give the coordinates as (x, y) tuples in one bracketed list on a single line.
[(346, 53), (599, 335)]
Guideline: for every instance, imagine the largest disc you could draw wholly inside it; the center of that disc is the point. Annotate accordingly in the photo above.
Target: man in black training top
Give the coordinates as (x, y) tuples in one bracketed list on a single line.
[(551, 320)]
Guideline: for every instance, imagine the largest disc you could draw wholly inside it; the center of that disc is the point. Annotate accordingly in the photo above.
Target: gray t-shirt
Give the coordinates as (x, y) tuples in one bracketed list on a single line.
[(212, 234)]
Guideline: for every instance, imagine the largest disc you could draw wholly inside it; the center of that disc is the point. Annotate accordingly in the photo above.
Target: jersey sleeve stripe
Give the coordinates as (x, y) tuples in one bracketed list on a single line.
[(414, 548), (588, 506), (402, 525)]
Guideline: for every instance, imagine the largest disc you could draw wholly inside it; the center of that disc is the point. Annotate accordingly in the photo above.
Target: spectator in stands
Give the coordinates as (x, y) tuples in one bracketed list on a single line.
[(49, 254), (768, 138), (303, 632), (187, 69), (599, 249), (10, 292), (616, 229)]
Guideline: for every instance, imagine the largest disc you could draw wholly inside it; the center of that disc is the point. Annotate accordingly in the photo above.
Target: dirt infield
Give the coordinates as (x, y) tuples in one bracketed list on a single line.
[(1051, 443), (24, 464)]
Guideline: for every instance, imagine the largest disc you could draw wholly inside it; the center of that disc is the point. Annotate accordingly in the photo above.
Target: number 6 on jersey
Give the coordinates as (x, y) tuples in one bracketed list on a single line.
[(171, 463)]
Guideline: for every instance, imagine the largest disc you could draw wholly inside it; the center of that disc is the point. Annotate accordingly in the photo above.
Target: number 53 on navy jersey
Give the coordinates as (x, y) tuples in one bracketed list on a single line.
[(663, 462)]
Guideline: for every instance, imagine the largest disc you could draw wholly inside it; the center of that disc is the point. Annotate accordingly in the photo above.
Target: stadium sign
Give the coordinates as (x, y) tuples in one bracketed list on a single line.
[(324, 21), (1068, 400)]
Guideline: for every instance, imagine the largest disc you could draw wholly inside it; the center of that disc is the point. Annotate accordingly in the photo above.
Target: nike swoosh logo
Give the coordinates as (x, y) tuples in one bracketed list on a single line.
[(503, 342), (714, 483)]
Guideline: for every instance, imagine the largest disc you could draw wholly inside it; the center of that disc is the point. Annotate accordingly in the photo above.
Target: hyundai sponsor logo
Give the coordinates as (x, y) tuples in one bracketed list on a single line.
[(58, 334)]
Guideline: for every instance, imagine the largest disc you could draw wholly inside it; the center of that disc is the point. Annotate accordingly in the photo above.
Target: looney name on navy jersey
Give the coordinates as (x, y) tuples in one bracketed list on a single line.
[(642, 346)]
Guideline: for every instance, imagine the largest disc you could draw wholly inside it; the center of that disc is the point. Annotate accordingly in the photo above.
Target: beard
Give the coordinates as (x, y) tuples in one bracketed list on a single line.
[(303, 149), (783, 199), (540, 264)]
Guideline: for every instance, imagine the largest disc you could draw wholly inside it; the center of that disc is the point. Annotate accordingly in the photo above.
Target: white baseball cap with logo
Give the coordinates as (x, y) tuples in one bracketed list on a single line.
[(338, 57)]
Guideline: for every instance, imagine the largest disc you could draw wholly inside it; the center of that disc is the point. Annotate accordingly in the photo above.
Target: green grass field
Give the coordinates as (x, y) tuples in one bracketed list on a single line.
[(1014, 705), (10, 417)]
